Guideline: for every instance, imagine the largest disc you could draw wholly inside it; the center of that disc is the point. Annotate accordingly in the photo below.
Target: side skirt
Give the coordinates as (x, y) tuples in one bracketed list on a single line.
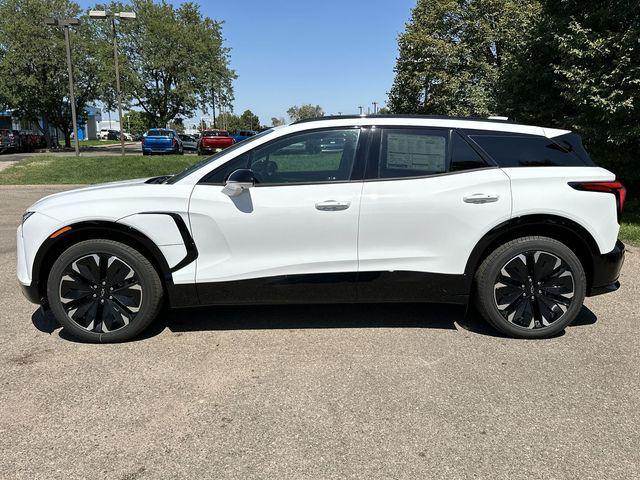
[(349, 287)]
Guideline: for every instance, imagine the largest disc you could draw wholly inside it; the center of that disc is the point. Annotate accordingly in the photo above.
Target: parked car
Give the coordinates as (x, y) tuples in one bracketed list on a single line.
[(10, 141), (20, 141), (161, 140), (189, 142), (243, 135), (516, 218), (213, 141)]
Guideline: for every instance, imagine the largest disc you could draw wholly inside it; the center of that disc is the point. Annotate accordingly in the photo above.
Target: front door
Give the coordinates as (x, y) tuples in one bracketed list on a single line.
[(292, 237)]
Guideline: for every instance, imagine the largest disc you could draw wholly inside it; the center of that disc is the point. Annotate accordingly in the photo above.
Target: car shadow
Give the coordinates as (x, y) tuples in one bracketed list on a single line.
[(405, 315)]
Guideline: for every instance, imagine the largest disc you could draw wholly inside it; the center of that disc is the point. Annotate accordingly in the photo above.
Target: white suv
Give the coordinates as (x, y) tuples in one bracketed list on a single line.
[(347, 209)]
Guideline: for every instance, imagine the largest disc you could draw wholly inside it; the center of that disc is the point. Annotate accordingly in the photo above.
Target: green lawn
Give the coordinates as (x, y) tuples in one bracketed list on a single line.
[(630, 228), (95, 143), (46, 169)]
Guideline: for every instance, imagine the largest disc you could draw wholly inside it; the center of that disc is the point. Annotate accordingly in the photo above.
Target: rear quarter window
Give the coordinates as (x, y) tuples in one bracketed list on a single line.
[(527, 151)]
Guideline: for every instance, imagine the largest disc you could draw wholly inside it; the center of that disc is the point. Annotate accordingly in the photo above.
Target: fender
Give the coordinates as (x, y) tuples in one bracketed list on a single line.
[(537, 224), (179, 295)]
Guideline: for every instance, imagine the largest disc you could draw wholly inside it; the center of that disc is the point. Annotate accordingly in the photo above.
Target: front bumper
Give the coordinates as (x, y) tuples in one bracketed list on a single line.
[(606, 270)]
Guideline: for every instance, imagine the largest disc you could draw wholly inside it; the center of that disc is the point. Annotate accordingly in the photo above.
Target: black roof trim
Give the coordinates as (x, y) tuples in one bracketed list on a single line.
[(434, 117)]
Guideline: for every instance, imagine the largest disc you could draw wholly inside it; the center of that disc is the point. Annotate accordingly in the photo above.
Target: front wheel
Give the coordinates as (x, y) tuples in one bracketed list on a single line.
[(104, 291), (530, 287)]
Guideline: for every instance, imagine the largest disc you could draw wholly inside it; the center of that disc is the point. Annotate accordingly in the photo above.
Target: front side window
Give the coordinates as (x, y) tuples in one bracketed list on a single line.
[(526, 151), (311, 157), (412, 153)]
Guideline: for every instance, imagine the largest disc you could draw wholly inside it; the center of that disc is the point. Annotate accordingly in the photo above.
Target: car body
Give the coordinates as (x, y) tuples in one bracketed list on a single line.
[(407, 209), (213, 141), (241, 135), (161, 140), (189, 142)]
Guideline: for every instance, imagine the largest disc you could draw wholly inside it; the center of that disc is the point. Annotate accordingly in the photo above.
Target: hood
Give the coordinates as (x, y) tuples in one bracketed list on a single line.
[(99, 187)]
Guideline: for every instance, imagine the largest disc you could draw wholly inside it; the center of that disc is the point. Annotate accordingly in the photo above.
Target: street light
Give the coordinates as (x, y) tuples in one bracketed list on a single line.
[(113, 16), (65, 23)]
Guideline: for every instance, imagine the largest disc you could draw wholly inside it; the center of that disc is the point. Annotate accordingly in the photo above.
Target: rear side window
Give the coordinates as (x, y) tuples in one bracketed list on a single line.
[(573, 143), (412, 153), (526, 151)]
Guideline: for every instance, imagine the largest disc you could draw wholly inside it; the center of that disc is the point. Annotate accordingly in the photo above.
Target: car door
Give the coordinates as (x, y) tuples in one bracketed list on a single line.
[(427, 199), (290, 238)]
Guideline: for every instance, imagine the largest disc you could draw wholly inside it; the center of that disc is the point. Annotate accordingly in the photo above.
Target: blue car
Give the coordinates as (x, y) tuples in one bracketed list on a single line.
[(243, 135), (161, 140)]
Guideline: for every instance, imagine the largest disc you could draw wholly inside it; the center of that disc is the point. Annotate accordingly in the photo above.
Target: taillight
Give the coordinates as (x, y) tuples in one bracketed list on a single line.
[(616, 188), (175, 142)]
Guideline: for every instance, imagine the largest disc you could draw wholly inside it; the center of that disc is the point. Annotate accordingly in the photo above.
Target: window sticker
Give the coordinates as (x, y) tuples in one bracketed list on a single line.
[(416, 152)]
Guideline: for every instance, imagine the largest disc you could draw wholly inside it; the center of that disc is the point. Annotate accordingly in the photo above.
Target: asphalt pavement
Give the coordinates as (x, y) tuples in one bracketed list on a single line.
[(317, 392)]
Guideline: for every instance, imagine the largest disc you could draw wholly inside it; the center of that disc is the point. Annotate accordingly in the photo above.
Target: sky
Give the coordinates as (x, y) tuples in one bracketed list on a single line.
[(336, 54)]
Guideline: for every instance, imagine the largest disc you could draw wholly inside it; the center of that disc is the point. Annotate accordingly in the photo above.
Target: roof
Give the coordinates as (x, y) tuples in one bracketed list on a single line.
[(471, 123)]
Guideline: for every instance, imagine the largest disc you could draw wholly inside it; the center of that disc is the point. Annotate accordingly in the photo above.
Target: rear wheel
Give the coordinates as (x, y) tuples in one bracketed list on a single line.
[(530, 287), (104, 291)]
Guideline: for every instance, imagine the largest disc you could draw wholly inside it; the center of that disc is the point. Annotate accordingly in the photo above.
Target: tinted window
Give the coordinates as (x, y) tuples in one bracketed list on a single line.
[(219, 175), (412, 153), (160, 133), (320, 156), (526, 151), (573, 143), (463, 157)]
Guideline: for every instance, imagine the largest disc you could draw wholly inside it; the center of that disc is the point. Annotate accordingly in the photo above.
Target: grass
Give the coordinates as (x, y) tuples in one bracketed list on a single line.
[(96, 143), (630, 228), (49, 169)]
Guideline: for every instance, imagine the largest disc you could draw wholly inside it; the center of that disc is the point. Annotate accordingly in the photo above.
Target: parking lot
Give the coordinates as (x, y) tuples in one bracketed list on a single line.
[(355, 391)]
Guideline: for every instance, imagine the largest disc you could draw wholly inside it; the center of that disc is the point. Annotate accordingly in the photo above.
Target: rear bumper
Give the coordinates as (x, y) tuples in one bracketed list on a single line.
[(606, 270)]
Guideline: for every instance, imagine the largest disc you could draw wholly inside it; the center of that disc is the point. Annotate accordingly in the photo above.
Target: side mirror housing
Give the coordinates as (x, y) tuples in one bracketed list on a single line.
[(239, 180)]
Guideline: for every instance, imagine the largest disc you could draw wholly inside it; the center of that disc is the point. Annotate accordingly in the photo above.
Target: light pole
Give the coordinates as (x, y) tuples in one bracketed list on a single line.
[(375, 107), (65, 23), (113, 16)]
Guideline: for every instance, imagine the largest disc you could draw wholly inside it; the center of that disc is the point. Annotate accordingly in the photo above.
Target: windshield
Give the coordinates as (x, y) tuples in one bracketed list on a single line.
[(216, 133), (213, 158)]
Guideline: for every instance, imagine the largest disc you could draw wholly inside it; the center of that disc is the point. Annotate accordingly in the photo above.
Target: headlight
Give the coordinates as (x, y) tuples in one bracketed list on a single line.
[(26, 215)]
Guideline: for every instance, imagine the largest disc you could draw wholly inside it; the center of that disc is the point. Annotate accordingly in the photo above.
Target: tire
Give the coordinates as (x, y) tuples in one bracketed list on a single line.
[(530, 287), (145, 153), (93, 288)]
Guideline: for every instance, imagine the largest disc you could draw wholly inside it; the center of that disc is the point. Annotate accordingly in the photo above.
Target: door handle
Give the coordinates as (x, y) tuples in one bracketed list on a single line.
[(332, 206), (481, 198)]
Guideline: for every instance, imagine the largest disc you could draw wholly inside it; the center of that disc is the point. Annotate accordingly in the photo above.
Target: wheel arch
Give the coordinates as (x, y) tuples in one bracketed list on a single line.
[(559, 228), (98, 229)]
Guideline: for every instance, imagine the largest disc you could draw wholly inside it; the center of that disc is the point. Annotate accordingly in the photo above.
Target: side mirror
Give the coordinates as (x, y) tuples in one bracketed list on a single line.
[(239, 180)]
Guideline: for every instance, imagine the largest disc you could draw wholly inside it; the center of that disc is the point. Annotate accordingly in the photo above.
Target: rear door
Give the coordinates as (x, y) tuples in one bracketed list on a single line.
[(291, 238), (427, 199)]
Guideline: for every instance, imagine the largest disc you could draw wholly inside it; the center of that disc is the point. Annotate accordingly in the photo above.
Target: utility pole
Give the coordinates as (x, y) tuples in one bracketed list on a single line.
[(65, 23), (375, 107), (213, 105), (113, 16)]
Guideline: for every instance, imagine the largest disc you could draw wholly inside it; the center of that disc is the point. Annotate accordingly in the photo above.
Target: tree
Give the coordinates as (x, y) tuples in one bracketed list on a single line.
[(249, 121), (172, 59), (451, 53), (277, 121), (33, 70), (305, 111), (134, 122), (580, 70)]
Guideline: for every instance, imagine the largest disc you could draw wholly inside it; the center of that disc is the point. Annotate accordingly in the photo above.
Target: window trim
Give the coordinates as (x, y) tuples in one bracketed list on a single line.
[(362, 149)]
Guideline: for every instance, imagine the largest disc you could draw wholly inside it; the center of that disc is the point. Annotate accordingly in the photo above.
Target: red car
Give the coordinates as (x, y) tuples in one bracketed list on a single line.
[(214, 140)]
